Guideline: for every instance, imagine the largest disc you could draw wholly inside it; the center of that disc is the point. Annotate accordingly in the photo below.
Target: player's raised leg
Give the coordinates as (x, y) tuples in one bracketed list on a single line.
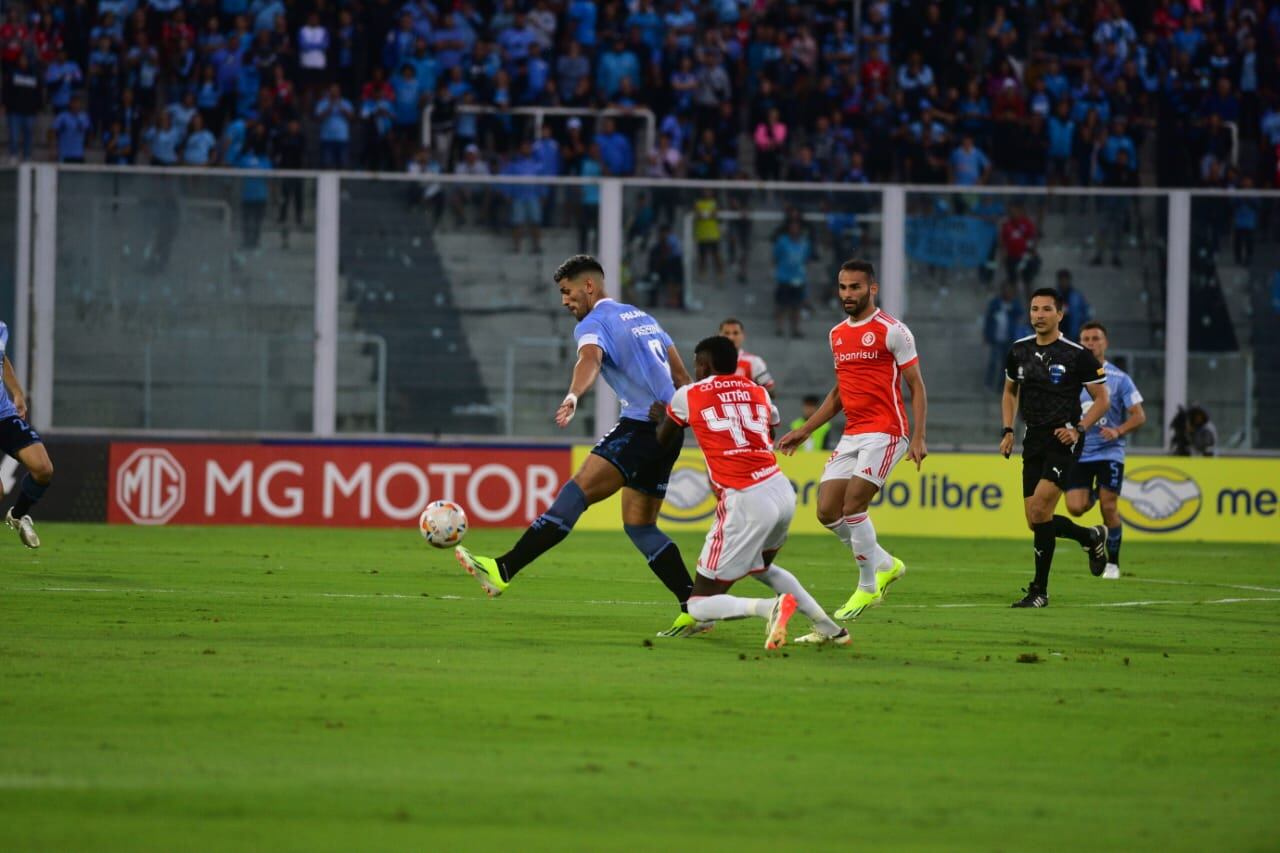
[(783, 582), (35, 458), (594, 481)]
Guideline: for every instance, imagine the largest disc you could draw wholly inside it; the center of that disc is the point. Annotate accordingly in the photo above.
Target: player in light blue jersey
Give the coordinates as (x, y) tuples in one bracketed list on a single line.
[(23, 443), (638, 360), (1099, 475)]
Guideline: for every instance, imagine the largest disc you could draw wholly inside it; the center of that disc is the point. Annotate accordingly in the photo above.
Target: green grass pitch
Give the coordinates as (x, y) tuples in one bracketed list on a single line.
[(278, 689)]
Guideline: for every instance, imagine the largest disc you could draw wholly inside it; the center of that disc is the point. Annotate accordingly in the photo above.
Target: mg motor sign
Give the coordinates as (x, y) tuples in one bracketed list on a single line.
[(149, 486), (328, 484)]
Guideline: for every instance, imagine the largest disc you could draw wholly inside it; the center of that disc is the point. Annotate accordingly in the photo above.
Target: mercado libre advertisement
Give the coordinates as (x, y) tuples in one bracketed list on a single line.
[(1171, 498)]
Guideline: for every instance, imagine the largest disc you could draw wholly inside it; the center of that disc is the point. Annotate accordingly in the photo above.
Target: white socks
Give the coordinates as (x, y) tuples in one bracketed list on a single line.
[(841, 530), (780, 580), (870, 556), (712, 608)]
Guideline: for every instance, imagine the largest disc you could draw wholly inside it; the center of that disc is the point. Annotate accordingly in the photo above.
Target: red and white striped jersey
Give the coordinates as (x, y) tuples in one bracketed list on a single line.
[(753, 367), (869, 359), (730, 416)]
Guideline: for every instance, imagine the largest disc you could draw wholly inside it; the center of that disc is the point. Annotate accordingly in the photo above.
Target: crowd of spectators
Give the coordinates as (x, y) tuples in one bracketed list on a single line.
[(917, 90)]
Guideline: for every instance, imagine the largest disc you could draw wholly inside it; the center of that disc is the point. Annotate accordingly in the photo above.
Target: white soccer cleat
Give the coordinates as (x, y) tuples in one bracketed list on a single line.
[(817, 638), (26, 529), (1111, 572)]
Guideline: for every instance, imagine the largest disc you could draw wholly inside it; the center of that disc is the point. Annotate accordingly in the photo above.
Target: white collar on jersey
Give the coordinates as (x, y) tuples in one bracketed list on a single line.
[(849, 320)]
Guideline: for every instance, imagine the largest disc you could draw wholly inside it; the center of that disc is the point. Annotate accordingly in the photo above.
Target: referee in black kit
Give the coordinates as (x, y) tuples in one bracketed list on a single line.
[(1045, 372)]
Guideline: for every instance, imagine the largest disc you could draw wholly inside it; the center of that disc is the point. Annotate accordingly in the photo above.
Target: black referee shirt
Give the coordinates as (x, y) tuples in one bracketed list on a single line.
[(1050, 378)]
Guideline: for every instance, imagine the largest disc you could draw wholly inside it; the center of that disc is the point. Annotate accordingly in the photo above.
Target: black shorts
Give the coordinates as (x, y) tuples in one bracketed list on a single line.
[(787, 296), (1098, 474), (15, 434), (632, 447), (1046, 458)]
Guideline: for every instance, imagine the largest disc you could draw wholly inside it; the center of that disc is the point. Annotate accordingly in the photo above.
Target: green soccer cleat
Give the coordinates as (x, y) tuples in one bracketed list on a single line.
[(858, 602), (686, 626), (888, 576), (484, 570)]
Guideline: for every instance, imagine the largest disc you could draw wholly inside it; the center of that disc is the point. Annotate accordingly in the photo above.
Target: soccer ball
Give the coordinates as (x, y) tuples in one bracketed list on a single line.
[(443, 524)]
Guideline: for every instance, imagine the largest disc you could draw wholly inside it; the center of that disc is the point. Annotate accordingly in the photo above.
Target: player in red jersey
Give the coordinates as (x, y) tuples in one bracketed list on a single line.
[(733, 419), (873, 353), (749, 365)]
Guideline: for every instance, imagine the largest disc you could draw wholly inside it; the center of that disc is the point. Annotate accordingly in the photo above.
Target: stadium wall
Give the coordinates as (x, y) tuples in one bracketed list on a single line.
[(386, 483)]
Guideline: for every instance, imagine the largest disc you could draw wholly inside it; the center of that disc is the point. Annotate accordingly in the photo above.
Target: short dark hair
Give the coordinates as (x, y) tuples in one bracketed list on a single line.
[(721, 351), (576, 266), (811, 400), (733, 321), (1050, 292), (1094, 324), (859, 265), (1064, 273)]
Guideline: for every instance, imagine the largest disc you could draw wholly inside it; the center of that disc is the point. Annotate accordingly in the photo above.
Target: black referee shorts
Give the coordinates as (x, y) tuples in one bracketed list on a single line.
[(632, 447), (1046, 458)]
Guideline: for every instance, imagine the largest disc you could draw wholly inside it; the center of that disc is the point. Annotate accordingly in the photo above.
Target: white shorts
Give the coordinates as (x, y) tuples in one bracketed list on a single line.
[(869, 455), (748, 523)]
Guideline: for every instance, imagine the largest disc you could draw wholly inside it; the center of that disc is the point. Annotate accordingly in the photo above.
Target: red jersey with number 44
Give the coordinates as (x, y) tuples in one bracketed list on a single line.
[(869, 358), (730, 416)]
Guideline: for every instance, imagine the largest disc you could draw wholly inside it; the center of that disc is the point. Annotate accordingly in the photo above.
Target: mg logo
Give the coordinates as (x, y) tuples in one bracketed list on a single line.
[(150, 486)]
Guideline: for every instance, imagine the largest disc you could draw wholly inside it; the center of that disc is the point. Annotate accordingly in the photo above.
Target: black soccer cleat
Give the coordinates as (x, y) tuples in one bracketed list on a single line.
[(1035, 597), (1097, 550)]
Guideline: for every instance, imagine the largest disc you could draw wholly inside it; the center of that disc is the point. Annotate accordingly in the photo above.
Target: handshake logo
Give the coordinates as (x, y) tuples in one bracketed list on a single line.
[(1159, 499), (689, 496)]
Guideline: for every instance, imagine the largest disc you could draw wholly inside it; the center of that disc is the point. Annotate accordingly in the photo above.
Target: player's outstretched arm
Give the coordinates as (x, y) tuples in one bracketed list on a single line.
[(790, 442), (14, 388), (918, 449), (584, 376), (1008, 408), (679, 374)]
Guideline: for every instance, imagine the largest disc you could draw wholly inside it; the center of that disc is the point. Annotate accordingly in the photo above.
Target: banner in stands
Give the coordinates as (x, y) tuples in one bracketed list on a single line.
[(1169, 498), (314, 483), (954, 242)]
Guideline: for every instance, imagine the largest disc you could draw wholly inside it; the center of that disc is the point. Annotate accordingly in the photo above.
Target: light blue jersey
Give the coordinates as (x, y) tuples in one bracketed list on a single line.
[(7, 409), (635, 355), (1124, 396)]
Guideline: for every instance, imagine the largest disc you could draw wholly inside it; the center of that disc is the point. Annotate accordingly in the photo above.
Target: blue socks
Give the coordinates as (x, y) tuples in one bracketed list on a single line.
[(547, 531), (1113, 544), (664, 559), (30, 494)]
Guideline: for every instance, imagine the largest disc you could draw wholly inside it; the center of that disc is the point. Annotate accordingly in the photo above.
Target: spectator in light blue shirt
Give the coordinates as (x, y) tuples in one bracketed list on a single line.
[(183, 111), (649, 24), (526, 199), (264, 14), (201, 145), (452, 42), (253, 191), (791, 255), (615, 65), (62, 77), (335, 114), (615, 149), (515, 40), (424, 67), (71, 128), (1062, 132), (969, 166), (582, 18), (162, 141), (406, 98)]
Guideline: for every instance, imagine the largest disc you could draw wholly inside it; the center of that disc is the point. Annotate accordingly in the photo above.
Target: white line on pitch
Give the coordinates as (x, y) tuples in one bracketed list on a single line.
[(614, 602)]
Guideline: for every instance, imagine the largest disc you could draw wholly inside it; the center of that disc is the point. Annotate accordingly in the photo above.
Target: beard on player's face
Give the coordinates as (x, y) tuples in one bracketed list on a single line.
[(854, 305)]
